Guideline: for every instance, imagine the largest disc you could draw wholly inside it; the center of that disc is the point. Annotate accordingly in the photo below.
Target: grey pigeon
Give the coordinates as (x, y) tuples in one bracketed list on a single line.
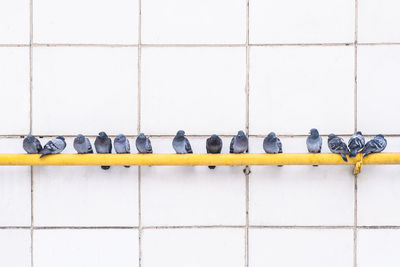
[(314, 142), (356, 144), (239, 143), (181, 143), (272, 144), (143, 144), (214, 146), (54, 146), (82, 145), (121, 145), (31, 145), (376, 145), (338, 146), (103, 145)]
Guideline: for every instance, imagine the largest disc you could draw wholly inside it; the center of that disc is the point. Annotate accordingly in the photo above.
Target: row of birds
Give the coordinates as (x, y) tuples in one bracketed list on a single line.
[(239, 144)]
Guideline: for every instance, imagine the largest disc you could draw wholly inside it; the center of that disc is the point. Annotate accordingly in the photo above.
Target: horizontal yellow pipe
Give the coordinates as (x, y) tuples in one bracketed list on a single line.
[(196, 159)]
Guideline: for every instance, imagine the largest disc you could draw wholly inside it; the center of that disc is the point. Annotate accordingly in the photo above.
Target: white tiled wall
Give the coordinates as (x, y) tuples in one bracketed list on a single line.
[(157, 66)]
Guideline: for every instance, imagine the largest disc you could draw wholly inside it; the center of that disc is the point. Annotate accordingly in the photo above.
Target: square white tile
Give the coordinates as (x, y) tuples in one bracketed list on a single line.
[(194, 22), (308, 21), (14, 92), (378, 247), (86, 22), (15, 248), (86, 248), (379, 191), (200, 89), (300, 247), (92, 88), (15, 188), (293, 89), (378, 20), (378, 83), (192, 195), (299, 195), (193, 247), (85, 195), (14, 22)]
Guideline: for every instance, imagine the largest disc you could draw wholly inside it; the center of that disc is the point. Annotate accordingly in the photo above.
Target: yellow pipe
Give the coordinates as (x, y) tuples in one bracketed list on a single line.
[(197, 159)]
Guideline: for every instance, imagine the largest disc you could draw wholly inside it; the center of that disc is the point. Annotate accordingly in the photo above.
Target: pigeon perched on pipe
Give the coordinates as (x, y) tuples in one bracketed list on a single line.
[(121, 145), (356, 144), (181, 144), (314, 142), (31, 145), (82, 145), (338, 146), (213, 146), (272, 144), (54, 146), (239, 143), (143, 144), (376, 145), (103, 145)]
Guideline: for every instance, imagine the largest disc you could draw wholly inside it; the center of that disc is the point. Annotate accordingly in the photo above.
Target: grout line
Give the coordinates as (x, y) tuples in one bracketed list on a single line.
[(83, 227), (139, 117), (30, 118), (395, 227), (195, 45), (355, 129), (355, 221), (301, 226), (247, 129), (84, 45), (192, 226)]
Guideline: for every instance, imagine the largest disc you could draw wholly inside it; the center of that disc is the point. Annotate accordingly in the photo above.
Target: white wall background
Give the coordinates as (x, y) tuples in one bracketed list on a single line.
[(209, 66)]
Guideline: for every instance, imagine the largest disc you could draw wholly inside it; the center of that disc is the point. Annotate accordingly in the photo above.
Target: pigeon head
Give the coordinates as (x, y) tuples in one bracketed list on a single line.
[(102, 135), (214, 139), (180, 133), (120, 138), (331, 136), (141, 136), (30, 138), (271, 136), (359, 133), (241, 135), (314, 132), (80, 138), (60, 138), (379, 136)]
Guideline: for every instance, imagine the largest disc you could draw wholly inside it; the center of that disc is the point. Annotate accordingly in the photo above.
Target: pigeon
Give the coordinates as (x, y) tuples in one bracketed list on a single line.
[(82, 145), (143, 144), (356, 144), (376, 145), (181, 143), (103, 145), (32, 145), (338, 146), (54, 146), (239, 143), (314, 142), (272, 144), (121, 145), (214, 146)]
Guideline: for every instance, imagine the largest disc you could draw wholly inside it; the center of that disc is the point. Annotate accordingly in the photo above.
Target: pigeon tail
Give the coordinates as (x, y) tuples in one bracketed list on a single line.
[(45, 152), (344, 157), (211, 167), (366, 154), (105, 167)]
